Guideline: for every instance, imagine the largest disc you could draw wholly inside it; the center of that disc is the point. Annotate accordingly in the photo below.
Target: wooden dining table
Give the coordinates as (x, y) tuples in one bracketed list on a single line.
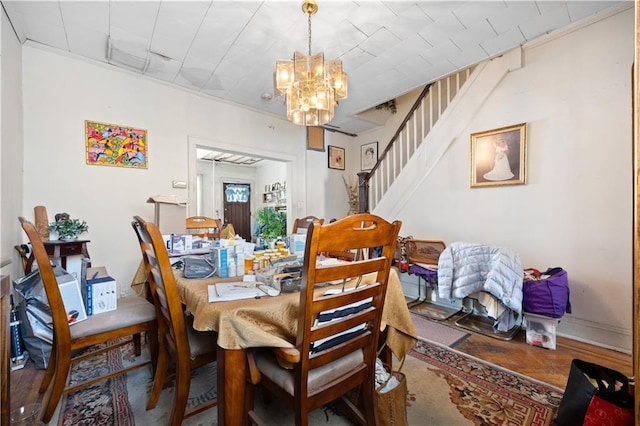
[(271, 322)]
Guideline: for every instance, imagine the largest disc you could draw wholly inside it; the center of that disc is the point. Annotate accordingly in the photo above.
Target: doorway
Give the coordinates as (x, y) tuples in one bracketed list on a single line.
[(211, 200), (237, 207)]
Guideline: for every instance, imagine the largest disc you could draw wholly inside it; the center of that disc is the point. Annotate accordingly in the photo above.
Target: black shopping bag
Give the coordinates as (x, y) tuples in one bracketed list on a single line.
[(594, 391)]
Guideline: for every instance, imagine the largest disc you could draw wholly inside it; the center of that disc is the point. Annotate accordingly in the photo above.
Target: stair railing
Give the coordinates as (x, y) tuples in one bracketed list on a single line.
[(420, 119)]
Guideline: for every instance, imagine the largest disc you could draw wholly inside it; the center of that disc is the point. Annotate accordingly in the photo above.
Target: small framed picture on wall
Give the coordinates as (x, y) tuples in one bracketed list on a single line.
[(336, 157), (315, 138), (368, 156)]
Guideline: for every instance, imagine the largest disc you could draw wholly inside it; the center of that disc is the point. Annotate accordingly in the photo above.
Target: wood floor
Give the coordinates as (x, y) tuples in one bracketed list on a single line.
[(549, 366)]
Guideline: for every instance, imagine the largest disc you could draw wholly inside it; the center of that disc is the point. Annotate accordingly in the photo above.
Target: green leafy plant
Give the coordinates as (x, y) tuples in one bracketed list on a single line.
[(389, 105), (69, 228), (271, 223)]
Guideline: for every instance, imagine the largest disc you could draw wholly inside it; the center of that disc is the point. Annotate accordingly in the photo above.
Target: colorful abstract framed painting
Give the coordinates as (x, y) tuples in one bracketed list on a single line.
[(115, 145), (499, 156)]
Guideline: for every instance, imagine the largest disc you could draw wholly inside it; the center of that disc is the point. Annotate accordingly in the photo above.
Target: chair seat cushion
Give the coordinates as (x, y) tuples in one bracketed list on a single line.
[(131, 310), (318, 377), (200, 342)]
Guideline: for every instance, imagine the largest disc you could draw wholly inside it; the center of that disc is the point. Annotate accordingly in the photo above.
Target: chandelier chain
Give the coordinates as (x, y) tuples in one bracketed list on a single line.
[(309, 18)]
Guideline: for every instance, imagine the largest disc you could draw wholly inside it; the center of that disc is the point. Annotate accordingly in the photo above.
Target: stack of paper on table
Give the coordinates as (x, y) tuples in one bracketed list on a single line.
[(222, 292)]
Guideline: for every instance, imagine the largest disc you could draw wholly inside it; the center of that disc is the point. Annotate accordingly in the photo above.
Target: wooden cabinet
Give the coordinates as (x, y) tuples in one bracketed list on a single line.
[(58, 250)]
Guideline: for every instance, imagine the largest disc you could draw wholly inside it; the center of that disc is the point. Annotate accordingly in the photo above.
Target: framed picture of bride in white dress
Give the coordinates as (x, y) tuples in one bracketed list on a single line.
[(499, 156)]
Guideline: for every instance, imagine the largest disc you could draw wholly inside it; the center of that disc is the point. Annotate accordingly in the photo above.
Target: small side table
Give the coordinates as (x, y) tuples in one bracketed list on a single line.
[(58, 250)]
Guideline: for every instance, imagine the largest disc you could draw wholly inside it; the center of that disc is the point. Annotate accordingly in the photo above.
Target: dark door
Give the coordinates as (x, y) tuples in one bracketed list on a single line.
[(237, 208)]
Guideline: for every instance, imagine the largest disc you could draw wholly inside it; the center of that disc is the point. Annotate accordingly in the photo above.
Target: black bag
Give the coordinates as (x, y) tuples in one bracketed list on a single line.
[(198, 267), (36, 316), (591, 387)]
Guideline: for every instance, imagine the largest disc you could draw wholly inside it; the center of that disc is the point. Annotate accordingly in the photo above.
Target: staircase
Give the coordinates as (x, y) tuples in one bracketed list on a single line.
[(437, 118)]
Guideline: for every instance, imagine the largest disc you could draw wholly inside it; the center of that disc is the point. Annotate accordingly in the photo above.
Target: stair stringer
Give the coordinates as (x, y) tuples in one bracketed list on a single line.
[(462, 109)]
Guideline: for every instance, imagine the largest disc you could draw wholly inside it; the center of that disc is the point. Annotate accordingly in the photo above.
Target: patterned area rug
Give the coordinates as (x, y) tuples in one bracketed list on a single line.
[(463, 390), (103, 403), (445, 388)]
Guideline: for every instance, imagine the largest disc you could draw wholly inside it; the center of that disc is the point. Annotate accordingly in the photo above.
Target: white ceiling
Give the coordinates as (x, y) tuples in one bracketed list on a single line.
[(227, 157), (228, 49)]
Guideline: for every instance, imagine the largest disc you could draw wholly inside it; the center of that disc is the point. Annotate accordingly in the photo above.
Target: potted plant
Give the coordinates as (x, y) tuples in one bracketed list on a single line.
[(68, 229), (272, 223)]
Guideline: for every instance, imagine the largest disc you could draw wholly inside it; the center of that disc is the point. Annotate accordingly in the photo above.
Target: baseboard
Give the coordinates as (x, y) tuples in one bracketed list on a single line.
[(597, 334)]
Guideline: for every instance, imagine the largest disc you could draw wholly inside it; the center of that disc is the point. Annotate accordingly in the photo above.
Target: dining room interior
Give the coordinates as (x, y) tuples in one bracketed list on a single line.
[(528, 146)]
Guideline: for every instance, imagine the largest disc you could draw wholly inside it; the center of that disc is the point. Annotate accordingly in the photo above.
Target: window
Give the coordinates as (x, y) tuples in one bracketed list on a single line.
[(237, 193)]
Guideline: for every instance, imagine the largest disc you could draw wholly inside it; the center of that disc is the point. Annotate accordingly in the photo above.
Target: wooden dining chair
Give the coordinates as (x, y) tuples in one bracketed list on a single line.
[(338, 333), (424, 252), (133, 316), (179, 341), (300, 225), (204, 226), (422, 261)]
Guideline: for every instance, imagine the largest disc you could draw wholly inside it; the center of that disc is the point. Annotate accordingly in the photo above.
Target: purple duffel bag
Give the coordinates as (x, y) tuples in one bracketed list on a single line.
[(549, 297), (429, 275)]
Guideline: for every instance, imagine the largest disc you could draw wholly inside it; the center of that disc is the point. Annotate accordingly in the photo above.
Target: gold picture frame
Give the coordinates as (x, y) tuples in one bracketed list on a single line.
[(499, 156)]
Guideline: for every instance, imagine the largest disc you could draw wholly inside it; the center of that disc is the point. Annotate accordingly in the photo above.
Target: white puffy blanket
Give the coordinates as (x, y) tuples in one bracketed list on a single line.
[(465, 268)]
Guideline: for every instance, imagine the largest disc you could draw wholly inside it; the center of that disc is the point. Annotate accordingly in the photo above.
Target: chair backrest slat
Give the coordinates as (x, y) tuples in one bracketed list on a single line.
[(357, 268), (204, 226), (303, 223)]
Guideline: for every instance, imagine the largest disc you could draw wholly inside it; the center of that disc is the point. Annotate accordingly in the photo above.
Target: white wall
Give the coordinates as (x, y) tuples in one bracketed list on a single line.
[(327, 196), (10, 151), (576, 210), (268, 173), (11, 147), (60, 92)]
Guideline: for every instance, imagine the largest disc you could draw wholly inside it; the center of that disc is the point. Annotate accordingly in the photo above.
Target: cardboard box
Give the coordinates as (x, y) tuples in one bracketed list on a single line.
[(541, 330), (72, 298), (100, 292), (170, 213)]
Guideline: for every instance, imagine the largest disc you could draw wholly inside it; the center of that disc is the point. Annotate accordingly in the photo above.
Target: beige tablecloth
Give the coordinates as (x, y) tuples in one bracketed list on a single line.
[(273, 321)]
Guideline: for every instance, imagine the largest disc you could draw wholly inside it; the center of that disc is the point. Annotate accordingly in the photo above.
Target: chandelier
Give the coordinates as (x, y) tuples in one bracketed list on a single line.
[(311, 86)]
